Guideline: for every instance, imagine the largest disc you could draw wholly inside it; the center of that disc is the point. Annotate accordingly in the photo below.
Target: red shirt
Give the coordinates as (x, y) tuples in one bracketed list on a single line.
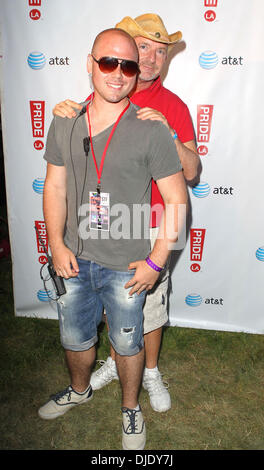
[(178, 116)]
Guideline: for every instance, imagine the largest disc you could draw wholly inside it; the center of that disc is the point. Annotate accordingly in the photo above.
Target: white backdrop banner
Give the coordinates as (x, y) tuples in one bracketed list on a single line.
[(217, 70)]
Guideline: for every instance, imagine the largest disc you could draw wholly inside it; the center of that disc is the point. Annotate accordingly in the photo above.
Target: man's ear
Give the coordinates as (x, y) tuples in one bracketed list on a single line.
[(89, 63)]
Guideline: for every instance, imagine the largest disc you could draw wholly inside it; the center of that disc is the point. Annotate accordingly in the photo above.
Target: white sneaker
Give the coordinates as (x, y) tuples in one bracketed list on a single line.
[(159, 396), (64, 401), (133, 429), (104, 375)]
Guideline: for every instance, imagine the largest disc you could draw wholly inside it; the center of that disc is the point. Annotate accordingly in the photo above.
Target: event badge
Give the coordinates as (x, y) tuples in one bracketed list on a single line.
[(99, 211)]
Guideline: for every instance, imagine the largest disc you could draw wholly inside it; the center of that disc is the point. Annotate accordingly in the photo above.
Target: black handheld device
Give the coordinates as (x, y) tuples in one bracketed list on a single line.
[(57, 280)]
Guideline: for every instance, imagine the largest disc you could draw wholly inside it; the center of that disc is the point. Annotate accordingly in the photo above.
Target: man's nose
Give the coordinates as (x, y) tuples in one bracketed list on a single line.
[(152, 56), (117, 72)]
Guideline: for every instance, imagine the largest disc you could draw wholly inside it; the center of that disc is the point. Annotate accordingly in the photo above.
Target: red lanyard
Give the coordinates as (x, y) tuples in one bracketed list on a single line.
[(99, 172)]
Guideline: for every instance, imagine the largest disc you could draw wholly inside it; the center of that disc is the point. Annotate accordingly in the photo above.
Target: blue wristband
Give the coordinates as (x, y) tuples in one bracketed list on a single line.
[(175, 135)]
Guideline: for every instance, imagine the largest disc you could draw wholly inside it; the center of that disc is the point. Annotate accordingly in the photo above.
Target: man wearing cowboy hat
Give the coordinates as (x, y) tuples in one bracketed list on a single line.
[(157, 103)]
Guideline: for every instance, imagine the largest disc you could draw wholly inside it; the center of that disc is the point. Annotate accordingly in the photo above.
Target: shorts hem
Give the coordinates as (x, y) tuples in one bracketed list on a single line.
[(80, 347), (153, 327), (133, 352)]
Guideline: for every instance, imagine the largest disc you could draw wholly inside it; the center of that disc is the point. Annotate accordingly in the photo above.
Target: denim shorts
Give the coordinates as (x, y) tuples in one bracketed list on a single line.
[(80, 310)]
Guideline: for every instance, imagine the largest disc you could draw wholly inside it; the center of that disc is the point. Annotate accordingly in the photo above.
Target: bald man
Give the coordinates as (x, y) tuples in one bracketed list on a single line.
[(156, 102), (100, 161)]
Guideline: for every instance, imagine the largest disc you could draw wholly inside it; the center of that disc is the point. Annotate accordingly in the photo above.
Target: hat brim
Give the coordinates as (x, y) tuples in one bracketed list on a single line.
[(134, 29)]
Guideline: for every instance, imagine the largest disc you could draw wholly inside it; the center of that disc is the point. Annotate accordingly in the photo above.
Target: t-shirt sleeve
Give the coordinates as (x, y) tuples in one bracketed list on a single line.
[(163, 158), (180, 119), (52, 152), (184, 126)]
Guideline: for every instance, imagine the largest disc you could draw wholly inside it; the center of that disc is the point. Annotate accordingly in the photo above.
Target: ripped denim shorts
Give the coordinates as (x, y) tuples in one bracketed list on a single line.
[(80, 309)]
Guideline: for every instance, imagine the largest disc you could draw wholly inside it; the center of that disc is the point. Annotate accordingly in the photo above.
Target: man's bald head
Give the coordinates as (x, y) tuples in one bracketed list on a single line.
[(114, 35), (113, 86)]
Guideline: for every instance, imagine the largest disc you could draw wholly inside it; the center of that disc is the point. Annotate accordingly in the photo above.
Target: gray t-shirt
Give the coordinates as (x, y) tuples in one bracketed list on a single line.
[(139, 151)]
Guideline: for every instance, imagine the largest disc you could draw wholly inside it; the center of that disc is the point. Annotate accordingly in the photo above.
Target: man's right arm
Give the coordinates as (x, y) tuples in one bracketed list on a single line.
[(66, 109), (54, 208)]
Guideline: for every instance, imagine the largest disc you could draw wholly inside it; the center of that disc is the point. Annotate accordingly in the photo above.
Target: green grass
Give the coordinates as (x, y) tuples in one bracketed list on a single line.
[(215, 379)]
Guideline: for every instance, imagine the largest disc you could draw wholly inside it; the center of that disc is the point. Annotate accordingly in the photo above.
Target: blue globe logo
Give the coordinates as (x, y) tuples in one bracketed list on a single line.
[(201, 190), (193, 300), (44, 296), (260, 253), (38, 185), (36, 60), (208, 60)]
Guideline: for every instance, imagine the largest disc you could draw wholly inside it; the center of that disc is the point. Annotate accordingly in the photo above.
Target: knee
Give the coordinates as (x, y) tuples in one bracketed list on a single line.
[(128, 342)]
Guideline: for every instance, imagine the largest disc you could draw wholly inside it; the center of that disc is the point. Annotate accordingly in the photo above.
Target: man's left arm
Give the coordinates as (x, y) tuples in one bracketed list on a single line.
[(187, 151), (189, 158), (174, 193)]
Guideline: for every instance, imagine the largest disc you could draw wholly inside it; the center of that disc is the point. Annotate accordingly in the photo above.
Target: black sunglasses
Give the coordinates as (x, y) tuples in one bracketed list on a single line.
[(109, 64)]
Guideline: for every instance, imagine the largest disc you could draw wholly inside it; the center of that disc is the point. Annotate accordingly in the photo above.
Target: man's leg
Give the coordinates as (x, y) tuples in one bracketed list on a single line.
[(79, 312), (152, 379), (155, 315), (125, 330), (112, 352), (130, 370), (80, 364), (79, 391), (152, 342)]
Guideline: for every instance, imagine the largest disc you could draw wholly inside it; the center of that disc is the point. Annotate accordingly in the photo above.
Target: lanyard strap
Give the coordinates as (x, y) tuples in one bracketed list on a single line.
[(99, 172)]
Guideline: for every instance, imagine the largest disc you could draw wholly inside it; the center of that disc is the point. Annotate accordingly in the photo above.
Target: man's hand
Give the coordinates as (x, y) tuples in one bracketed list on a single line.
[(64, 262), (153, 115), (66, 109), (144, 278)]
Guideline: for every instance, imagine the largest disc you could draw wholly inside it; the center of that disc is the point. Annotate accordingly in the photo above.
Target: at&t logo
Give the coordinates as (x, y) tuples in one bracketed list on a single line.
[(36, 60), (195, 300), (260, 253), (208, 60), (201, 190), (38, 185), (44, 295)]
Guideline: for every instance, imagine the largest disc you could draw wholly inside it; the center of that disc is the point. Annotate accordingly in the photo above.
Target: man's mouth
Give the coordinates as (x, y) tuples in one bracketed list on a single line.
[(147, 66), (116, 86)]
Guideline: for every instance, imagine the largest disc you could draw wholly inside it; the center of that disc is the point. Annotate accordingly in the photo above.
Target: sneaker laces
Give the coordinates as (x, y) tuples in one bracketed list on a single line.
[(62, 394), (131, 415), (155, 384)]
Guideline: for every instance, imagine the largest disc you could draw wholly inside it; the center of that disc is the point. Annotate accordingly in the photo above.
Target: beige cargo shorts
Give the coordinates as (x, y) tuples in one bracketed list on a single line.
[(155, 309)]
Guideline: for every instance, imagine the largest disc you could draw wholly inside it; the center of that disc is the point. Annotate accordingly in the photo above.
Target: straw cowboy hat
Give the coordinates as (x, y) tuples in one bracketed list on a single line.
[(149, 26)]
